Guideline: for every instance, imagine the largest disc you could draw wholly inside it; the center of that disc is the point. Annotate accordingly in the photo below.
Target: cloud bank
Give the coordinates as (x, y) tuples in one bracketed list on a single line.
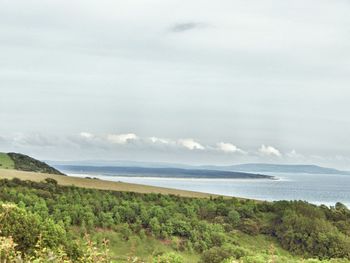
[(130, 146)]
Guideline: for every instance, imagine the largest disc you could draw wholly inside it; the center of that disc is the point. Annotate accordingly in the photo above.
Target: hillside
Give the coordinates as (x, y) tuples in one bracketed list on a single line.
[(23, 162)]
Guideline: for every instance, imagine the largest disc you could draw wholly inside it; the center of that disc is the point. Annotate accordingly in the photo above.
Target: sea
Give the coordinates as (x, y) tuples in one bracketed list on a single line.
[(326, 189)]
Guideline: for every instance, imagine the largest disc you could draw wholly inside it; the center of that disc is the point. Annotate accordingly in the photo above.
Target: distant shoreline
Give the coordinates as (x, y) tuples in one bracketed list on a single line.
[(94, 176), (143, 172)]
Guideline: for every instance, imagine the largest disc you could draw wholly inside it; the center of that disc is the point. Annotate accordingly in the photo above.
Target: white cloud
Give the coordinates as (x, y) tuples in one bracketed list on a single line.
[(269, 151), (191, 144), (86, 135), (159, 140), (121, 138), (228, 148)]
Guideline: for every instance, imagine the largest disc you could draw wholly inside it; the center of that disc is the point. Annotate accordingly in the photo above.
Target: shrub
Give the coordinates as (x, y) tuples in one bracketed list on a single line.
[(168, 258)]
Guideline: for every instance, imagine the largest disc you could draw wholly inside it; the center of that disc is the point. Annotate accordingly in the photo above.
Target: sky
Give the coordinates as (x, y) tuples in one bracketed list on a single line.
[(196, 82)]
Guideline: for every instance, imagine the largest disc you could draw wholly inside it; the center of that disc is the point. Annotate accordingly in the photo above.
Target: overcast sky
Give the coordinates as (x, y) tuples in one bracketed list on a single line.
[(203, 82)]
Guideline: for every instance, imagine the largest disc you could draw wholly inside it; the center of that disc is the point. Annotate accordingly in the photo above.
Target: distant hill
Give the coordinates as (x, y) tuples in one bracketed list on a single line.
[(278, 168), (246, 168), (26, 163), (159, 172)]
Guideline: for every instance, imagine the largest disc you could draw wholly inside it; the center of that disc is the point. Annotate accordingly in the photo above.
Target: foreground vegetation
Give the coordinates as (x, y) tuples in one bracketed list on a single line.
[(45, 221)]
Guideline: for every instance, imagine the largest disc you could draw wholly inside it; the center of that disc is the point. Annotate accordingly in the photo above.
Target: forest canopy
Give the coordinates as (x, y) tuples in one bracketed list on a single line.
[(59, 219)]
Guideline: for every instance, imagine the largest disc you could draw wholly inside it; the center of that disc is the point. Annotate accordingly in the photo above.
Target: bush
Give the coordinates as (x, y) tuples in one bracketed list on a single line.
[(26, 228), (218, 254), (250, 226), (168, 258), (233, 217)]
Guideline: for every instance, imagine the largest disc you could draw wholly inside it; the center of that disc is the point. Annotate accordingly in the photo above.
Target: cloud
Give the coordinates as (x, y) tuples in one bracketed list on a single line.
[(190, 144), (269, 151), (182, 27), (122, 138), (160, 140), (228, 148), (86, 135)]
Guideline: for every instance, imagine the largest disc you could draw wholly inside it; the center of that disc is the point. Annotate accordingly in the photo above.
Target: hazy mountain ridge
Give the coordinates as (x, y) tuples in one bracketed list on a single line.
[(247, 168), (160, 172), (279, 168)]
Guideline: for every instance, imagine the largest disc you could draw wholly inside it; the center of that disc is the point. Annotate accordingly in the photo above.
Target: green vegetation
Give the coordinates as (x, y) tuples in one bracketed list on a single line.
[(6, 162), (74, 224)]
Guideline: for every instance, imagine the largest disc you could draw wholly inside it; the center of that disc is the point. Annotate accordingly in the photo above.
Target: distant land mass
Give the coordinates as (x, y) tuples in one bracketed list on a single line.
[(278, 168), (159, 172), (246, 168)]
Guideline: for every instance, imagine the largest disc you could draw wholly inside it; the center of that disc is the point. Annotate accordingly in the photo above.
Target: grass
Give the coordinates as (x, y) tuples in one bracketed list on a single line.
[(98, 184), (6, 162), (261, 244), (144, 249)]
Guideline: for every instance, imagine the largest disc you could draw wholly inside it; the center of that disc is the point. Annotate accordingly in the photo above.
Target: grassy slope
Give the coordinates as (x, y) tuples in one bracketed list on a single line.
[(148, 247), (97, 184), (145, 249), (6, 162)]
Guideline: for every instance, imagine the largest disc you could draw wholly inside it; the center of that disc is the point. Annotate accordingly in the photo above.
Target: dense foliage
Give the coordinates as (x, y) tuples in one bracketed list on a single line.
[(46, 212)]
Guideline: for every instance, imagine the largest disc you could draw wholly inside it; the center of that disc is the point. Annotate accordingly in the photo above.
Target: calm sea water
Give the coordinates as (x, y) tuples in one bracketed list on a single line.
[(317, 189)]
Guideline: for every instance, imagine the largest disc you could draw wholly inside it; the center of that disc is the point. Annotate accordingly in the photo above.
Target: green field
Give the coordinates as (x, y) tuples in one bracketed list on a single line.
[(6, 162)]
